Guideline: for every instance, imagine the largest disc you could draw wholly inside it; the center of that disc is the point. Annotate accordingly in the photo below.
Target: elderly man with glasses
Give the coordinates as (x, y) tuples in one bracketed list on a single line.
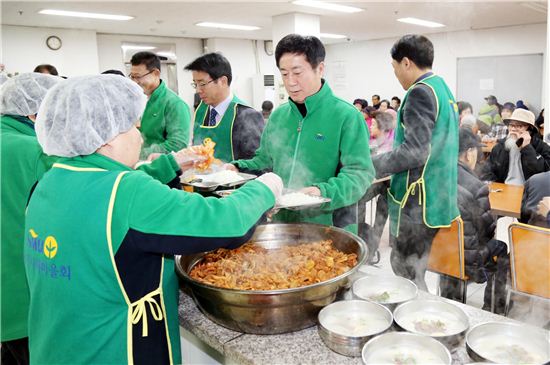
[(521, 154), (166, 121), (221, 116)]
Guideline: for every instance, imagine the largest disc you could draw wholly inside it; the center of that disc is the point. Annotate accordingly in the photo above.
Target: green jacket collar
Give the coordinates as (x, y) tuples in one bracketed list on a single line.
[(314, 101), (159, 92), (20, 123), (94, 160)]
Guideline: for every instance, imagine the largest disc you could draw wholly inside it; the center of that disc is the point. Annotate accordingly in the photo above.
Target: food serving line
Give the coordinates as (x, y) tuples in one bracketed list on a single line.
[(301, 347), (281, 311), (319, 323)]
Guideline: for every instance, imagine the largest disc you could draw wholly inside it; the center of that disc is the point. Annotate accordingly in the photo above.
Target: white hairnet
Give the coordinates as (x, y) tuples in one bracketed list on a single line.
[(83, 113), (22, 94)]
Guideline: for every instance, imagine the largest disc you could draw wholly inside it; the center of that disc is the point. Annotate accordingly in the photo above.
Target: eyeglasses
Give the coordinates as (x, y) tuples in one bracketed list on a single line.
[(201, 85), (517, 125), (136, 78)]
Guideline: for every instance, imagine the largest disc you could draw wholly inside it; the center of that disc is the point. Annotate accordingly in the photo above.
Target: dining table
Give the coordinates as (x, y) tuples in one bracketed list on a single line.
[(505, 199)]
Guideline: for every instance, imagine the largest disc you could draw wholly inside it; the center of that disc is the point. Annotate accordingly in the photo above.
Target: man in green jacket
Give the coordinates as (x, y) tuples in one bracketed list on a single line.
[(221, 116), (423, 163), (100, 236), (316, 142), (23, 164), (166, 121)]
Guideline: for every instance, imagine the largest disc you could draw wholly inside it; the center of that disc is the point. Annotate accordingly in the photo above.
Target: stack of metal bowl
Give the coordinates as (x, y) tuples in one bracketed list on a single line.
[(508, 343), (389, 291), (405, 348), (347, 325), (416, 316), (274, 311)]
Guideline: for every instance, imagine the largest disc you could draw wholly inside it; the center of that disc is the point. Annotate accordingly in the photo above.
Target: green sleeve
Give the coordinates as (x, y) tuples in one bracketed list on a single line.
[(357, 171), (44, 164), (163, 169), (156, 209), (262, 159), (178, 124)]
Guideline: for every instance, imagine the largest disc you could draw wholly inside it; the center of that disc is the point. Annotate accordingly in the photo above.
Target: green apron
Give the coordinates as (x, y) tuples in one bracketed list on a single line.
[(222, 133), (437, 186), (59, 255)]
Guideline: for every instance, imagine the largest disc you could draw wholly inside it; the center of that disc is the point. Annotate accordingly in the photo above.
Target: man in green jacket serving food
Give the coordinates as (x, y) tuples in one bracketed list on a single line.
[(316, 142), (166, 120), (99, 235)]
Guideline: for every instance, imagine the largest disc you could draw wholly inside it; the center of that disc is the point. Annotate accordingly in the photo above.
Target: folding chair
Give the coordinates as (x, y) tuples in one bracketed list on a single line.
[(529, 261), (447, 255)]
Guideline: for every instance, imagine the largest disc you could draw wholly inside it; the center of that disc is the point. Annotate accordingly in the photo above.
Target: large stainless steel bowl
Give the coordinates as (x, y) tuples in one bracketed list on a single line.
[(275, 311)]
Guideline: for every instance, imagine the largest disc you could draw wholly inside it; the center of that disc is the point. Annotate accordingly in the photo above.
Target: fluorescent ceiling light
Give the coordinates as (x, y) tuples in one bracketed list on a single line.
[(227, 26), (332, 36), (424, 23), (137, 48), (80, 14), (327, 6)]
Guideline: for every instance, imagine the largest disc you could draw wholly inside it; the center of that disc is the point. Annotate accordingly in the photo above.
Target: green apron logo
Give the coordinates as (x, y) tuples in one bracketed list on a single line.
[(50, 247)]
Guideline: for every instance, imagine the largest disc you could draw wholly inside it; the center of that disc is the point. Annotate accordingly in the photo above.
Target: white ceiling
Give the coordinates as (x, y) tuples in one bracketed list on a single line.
[(177, 18)]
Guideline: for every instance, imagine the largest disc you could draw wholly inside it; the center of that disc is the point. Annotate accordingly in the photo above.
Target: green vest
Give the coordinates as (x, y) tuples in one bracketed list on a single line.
[(22, 164), (222, 133), (58, 255), (77, 221), (437, 187)]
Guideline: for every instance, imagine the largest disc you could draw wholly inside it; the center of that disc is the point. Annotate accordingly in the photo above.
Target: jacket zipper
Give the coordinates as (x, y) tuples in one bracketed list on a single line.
[(299, 130)]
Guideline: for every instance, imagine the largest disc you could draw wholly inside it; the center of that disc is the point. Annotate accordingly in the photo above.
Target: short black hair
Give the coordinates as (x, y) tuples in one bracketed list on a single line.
[(396, 99), (309, 46), (45, 67), (387, 102), (214, 64), (267, 106), (463, 105), (113, 72), (416, 48), (376, 96), (361, 102), (148, 59), (510, 106)]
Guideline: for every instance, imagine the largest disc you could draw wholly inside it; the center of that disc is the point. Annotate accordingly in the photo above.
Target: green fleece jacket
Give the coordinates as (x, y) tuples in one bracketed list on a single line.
[(166, 122), (327, 148)]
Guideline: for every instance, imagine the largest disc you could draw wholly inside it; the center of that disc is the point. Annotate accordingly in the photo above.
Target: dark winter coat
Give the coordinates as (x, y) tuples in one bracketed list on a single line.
[(535, 158), (479, 223)]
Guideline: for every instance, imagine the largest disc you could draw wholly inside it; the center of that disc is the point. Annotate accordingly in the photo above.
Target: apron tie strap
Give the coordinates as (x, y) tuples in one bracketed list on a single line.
[(139, 310), (412, 191)]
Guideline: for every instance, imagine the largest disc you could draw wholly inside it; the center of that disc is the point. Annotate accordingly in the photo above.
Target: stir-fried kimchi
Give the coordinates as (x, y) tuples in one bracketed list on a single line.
[(251, 267), (207, 150)]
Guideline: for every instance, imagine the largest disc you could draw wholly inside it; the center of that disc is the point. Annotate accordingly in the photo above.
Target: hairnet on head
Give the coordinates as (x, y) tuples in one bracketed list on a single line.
[(83, 113), (23, 94)]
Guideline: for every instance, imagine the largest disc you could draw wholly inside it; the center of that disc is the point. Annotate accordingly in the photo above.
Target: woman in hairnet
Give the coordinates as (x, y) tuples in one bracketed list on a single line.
[(22, 165), (99, 235)]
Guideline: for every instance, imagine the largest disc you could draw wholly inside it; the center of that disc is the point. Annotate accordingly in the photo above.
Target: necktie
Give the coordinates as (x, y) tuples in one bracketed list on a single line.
[(212, 120)]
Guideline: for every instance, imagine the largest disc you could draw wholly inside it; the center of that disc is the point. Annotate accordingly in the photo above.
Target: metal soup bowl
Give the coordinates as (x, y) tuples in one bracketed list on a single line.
[(347, 325), (402, 347), (389, 291), (454, 318), (274, 311), (508, 343)]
